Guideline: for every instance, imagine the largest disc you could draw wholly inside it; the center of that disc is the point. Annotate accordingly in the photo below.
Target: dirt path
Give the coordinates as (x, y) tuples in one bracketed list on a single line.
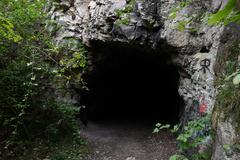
[(127, 141)]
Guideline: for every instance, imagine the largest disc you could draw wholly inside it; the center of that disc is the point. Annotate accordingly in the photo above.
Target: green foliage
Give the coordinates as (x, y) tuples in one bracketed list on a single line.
[(68, 152), (191, 137), (173, 13), (123, 15), (31, 70), (177, 157), (124, 21), (234, 17), (181, 26), (186, 22), (22, 14), (160, 126), (6, 31), (236, 79), (226, 15), (71, 63), (194, 133), (228, 97)]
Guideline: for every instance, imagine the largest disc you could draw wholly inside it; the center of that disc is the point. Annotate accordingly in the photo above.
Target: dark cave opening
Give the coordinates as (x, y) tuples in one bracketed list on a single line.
[(132, 84)]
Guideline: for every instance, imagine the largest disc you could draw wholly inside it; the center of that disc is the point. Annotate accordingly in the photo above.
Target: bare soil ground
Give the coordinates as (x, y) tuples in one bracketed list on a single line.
[(127, 141)]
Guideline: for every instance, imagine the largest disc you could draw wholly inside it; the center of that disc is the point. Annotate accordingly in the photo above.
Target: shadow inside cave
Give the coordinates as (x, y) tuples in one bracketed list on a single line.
[(132, 84)]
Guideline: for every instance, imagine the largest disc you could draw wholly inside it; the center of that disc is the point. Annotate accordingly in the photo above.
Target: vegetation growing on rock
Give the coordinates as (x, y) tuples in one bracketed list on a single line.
[(123, 15), (193, 138), (230, 13), (228, 83)]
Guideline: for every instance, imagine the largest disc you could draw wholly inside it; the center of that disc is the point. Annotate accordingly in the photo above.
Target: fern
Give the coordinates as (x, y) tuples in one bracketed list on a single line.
[(223, 14), (234, 17)]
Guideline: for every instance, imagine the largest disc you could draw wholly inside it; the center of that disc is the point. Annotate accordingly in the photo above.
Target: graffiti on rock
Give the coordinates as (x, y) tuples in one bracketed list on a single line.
[(202, 106), (205, 64)]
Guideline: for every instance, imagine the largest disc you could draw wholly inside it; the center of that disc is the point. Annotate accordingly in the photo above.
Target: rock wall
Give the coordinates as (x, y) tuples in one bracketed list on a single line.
[(224, 122), (160, 24)]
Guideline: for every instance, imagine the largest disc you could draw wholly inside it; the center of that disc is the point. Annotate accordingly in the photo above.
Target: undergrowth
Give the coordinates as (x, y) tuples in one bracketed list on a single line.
[(228, 82), (123, 15), (229, 14), (33, 71), (193, 139)]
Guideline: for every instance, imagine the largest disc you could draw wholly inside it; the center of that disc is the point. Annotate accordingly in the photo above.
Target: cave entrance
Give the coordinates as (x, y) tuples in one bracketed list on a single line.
[(132, 83)]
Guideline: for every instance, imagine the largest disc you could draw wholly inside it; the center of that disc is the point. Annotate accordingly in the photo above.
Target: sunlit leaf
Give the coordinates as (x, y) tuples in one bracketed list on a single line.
[(236, 80)]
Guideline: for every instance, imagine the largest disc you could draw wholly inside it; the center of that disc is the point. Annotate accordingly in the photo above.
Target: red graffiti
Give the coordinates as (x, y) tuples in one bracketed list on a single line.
[(203, 108), (203, 105)]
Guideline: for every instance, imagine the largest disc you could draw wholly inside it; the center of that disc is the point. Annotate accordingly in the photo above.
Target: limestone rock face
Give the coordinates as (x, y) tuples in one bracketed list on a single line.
[(226, 139), (227, 130), (149, 24), (160, 24)]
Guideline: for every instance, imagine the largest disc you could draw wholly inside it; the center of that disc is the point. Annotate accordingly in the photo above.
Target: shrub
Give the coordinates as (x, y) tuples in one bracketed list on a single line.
[(29, 68), (195, 134)]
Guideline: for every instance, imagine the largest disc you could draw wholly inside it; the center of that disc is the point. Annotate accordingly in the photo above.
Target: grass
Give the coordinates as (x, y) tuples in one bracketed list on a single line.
[(66, 149), (228, 98)]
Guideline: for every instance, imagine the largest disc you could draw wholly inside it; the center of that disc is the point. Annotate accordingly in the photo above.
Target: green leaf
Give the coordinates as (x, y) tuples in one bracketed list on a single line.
[(156, 130), (165, 126), (158, 125), (181, 26), (175, 128), (234, 17), (222, 14), (236, 80), (173, 14), (177, 157)]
